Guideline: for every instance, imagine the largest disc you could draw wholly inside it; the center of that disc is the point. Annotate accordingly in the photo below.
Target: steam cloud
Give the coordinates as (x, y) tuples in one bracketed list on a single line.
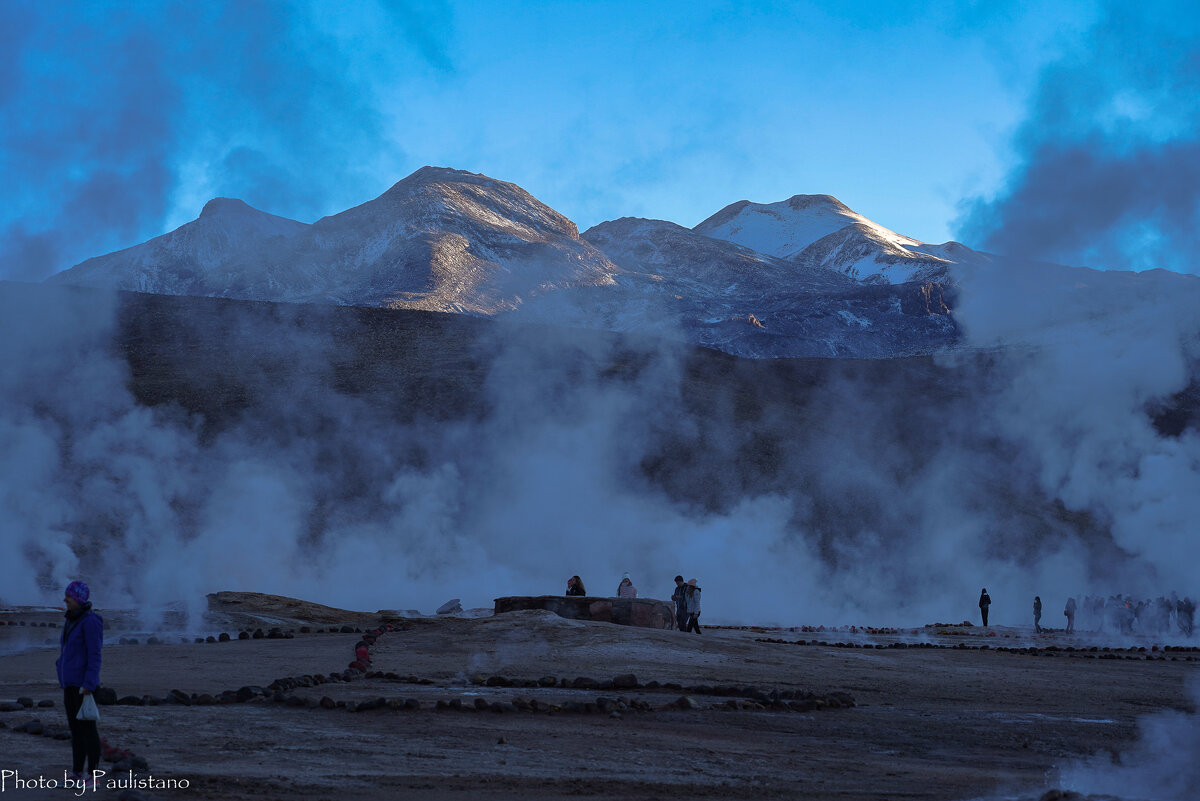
[(1108, 168), (1163, 765), (839, 515), (159, 108)]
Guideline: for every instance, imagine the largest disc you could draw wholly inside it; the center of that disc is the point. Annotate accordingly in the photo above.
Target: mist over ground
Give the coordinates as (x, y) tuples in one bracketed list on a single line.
[(163, 448)]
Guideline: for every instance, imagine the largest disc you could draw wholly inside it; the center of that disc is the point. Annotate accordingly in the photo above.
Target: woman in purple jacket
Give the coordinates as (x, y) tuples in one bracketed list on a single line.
[(79, 674)]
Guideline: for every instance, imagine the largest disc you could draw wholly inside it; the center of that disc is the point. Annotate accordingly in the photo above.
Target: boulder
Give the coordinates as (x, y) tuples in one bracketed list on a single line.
[(451, 607), (645, 612)]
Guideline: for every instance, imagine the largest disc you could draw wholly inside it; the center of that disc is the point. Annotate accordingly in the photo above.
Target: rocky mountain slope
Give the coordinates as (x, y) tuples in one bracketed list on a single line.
[(439, 240), (452, 241)]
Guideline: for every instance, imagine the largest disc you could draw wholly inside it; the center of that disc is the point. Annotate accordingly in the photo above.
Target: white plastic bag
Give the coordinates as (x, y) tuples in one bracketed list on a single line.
[(88, 709)]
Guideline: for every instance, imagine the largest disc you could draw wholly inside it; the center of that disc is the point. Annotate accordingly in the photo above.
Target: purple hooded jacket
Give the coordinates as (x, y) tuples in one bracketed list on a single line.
[(79, 660)]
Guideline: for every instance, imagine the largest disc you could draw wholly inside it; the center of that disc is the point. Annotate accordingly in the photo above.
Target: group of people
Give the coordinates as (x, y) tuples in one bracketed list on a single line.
[(625, 588), (1118, 613), (686, 598)]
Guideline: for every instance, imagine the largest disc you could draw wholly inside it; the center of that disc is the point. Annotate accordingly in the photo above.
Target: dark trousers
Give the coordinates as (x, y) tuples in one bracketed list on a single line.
[(1037, 622), (693, 624), (681, 619), (85, 737), (983, 610)]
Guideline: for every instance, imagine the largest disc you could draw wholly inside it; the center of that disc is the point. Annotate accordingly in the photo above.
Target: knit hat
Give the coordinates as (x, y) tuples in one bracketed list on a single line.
[(79, 591), (692, 582)]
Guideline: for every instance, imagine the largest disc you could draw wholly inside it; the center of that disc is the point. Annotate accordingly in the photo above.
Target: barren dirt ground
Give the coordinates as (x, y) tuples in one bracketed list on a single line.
[(945, 723)]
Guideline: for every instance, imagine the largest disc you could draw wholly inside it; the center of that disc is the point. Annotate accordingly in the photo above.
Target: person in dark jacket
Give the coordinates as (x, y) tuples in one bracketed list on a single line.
[(985, 601), (1069, 611), (1037, 613), (79, 675), (693, 606), (575, 586), (680, 599)]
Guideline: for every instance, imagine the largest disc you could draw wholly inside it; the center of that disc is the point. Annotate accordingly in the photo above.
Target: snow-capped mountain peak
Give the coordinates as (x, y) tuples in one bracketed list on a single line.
[(785, 228)]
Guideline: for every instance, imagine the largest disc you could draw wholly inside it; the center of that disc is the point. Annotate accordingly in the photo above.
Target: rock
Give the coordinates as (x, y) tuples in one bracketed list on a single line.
[(243, 635), (153, 641), (204, 699), (30, 727), (412, 704), (686, 702), (105, 696), (645, 612), (327, 703), (223, 637), (497, 681), (130, 700), (25, 702), (626, 681), (258, 634), (451, 607), (585, 683), (179, 697), (481, 704), (547, 681), (45, 703)]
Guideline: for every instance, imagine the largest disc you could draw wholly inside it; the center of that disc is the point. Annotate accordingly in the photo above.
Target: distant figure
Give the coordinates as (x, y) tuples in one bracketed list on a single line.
[(985, 601), (679, 597), (626, 589), (575, 586), (79, 675), (693, 607), (1070, 613), (1037, 613)]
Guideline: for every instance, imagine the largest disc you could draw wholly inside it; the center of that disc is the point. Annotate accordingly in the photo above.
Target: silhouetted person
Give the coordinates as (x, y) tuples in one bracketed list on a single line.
[(693, 606), (79, 675), (679, 597), (575, 586), (1070, 613), (1037, 613), (985, 601), (626, 589)]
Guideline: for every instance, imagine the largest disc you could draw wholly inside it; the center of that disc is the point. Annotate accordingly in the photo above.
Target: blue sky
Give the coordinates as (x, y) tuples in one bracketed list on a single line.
[(119, 120)]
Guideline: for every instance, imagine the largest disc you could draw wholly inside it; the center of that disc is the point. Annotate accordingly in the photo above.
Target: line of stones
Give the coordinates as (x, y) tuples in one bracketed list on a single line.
[(279, 691), (1134, 652), (121, 759), (275, 633)]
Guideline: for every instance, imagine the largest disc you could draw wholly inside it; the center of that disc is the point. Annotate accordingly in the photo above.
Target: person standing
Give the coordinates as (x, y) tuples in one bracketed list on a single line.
[(78, 668), (693, 606), (985, 601), (575, 586), (1070, 613), (680, 599), (1037, 613)]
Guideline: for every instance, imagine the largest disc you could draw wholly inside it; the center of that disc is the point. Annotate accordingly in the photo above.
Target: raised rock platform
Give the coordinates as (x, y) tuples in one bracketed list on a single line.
[(645, 612)]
